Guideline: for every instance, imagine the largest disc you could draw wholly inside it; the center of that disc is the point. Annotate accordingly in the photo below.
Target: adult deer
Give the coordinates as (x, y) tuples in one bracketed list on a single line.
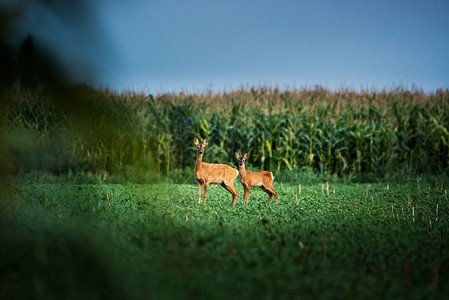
[(263, 179), (213, 173)]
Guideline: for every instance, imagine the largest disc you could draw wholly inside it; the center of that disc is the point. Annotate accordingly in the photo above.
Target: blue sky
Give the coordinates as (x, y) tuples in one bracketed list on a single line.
[(171, 46)]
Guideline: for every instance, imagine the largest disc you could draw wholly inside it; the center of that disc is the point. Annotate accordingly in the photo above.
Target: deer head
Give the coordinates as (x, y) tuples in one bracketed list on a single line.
[(201, 147), (241, 159)]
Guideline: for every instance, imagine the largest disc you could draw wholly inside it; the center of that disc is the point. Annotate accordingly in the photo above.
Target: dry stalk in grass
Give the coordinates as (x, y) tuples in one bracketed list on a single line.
[(436, 269), (281, 244), (436, 217), (406, 269)]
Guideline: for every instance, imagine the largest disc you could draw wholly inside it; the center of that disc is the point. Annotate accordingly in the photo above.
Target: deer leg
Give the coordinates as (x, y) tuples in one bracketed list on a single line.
[(269, 198), (273, 192), (245, 192), (235, 194), (275, 196), (246, 195), (200, 186), (268, 192), (230, 188), (205, 192)]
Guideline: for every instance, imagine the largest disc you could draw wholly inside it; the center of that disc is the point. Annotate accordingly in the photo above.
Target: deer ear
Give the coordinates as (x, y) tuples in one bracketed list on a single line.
[(245, 156), (197, 143), (237, 156), (206, 141)]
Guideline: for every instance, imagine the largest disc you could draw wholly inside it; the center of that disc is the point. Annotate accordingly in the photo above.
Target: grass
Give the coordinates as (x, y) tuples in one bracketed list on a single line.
[(75, 227), (141, 241)]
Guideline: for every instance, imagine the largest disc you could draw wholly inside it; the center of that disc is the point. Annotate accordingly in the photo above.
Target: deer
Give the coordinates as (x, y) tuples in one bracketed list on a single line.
[(213, 173), (248, 179)]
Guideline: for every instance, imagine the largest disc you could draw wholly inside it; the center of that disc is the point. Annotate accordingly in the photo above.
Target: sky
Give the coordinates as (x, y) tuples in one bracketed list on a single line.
[(199, 45)]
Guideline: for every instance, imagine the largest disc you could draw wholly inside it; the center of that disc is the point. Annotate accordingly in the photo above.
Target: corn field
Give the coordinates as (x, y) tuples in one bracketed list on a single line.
[(328, 132)]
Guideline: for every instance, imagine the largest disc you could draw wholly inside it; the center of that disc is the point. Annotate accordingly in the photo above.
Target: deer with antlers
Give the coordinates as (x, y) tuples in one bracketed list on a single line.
[(248, 179), (213, 173)]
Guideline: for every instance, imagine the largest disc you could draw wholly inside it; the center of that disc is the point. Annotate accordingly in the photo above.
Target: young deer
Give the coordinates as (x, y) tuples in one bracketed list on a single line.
[(262, 179), (213, 173)]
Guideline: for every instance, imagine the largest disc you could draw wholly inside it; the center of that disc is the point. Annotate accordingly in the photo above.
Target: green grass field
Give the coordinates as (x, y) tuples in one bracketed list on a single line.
[(155, 241), (98, 199)]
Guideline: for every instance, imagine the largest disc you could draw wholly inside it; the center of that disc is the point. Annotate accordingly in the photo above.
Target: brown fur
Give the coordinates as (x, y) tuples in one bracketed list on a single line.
[(213, 173), (248, 179)]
